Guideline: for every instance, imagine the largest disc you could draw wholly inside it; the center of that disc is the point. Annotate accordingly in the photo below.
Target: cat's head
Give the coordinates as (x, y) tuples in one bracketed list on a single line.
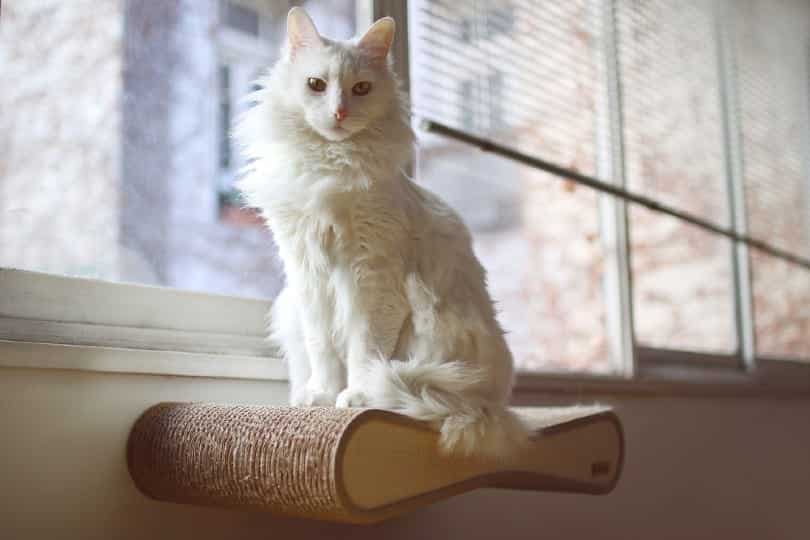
[(339, 87)]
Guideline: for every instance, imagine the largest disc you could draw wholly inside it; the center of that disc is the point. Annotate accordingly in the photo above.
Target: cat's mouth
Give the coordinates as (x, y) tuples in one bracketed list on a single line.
[(336, 133)]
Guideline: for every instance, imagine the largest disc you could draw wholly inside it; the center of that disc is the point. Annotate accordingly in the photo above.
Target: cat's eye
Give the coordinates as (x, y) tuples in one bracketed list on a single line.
[(362, 88), (317, 85)]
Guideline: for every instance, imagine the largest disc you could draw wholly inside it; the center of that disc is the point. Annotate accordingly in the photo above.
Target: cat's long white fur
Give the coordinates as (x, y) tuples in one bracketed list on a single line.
[(385, 303)]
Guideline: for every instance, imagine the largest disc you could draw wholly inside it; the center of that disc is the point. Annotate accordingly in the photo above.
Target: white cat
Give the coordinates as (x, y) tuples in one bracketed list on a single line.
[(385, 303)]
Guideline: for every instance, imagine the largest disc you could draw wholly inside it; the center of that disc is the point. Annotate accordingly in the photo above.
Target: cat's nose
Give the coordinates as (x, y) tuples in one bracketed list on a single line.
[(340, 114)]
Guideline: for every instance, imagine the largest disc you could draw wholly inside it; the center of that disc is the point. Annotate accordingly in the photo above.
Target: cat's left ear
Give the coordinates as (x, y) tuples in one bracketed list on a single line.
[(301, 31), (377, 40)]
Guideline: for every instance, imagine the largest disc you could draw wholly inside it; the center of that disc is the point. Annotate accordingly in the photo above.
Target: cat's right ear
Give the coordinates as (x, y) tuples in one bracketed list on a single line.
[(301, 31)]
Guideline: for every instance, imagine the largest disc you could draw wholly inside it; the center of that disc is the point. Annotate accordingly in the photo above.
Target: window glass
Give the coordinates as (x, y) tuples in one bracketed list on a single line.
[(781, 297), (672, 115), (529, 75), (539, 239), (772, 57), (116, 161), (683, 292), (526, 74)]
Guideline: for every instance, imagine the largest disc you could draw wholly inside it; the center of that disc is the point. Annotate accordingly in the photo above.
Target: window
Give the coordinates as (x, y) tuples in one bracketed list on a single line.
[(691, 119), (772, 53), (645, 197), (672, 115), (781, 296), (116, 162), (683, 286), (493, 74)]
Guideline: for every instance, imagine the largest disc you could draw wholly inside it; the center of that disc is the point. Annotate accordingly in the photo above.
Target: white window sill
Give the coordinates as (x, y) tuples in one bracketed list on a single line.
[(57, 322), (27, 355), (45, 308)]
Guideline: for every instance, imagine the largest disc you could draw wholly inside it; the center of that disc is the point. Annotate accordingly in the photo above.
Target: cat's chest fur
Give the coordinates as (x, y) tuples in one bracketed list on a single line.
[(340, 231)]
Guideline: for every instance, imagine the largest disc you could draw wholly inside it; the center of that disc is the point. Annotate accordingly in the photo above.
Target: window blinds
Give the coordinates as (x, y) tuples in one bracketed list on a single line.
[(771, 43), (512, 72), (706, 90)]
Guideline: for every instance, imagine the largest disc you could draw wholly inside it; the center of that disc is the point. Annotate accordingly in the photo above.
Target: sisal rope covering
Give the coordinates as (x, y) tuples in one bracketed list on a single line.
[(355, 465), (224, 455)]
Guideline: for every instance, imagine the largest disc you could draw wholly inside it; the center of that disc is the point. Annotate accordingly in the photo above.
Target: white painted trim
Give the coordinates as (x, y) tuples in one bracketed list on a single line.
[(34, 295), (613, 220), (59, 309), (102, 335), (17, 354)]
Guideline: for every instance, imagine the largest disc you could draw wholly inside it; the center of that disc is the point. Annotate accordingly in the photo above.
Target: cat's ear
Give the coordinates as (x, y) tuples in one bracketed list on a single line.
[(377, 40), (301, 31)]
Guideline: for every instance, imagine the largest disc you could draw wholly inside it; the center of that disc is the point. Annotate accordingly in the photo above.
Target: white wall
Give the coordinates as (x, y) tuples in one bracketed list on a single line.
[(696, 468)]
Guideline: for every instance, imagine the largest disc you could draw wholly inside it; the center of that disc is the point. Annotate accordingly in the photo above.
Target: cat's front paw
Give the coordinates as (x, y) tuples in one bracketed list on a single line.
[(314, 396), (352, 397)]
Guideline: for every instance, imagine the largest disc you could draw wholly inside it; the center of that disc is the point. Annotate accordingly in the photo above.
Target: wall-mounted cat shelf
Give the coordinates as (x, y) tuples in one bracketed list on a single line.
[(354, 465)]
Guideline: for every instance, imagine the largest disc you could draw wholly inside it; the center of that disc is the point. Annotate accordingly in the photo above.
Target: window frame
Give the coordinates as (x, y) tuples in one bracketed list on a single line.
[(54, 321), (745, 359)]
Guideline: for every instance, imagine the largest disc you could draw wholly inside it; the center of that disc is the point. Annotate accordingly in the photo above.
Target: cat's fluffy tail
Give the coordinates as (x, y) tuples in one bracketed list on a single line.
[(447, 395)]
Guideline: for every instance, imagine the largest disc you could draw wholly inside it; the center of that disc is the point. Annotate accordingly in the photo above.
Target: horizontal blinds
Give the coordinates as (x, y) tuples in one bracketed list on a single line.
[(771, 41), (512, 72), (672, 112), (532, 77)]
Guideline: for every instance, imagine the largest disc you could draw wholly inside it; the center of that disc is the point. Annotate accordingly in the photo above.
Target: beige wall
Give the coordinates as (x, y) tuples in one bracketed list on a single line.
[(696, 468)]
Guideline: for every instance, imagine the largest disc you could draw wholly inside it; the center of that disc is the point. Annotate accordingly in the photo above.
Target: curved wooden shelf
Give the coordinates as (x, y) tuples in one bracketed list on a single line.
[(353, 465)]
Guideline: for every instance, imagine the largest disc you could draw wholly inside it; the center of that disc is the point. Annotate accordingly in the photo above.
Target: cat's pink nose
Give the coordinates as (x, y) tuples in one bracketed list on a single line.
[(340, 114)]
